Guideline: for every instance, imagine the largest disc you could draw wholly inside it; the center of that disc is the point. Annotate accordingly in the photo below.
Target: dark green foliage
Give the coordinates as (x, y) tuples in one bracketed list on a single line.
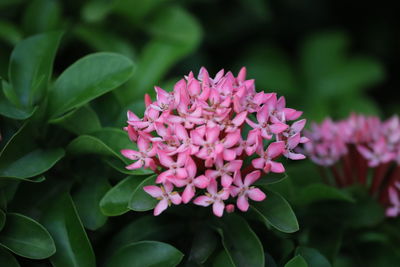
[(69, 71)]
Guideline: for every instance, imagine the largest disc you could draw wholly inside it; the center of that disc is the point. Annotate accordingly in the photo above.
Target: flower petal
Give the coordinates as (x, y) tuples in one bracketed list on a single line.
[(258, 163), (160, 207), (226, 180), (256, 194), (188, 193), (242, 203), (137, 165), (218, 208), (204, 201), (275, 149), (153, 191), (175, 198), (201, 181), (234, 165), (212, 134), (232, 139), (252, 177), (277, 167), (130, 154)]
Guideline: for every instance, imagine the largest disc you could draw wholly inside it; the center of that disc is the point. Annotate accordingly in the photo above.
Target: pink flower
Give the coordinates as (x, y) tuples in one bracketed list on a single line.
[(207, 139), (166, 101), (195, 137), (225, 171), (191, 183), (186, 141), (377, 154), (292, 142), (165, 195), (214, 197), (244, 191), (144, 157), (250, 144), (267, 128), (266, 161), (176, 169)]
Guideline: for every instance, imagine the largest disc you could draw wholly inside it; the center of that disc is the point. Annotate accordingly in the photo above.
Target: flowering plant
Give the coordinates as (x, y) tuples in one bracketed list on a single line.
[(195, 138), (361, 149)]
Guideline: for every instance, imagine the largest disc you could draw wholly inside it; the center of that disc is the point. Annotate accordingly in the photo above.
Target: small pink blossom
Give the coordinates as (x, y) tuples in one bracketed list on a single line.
[(191, 183), (144, 157), (377, 154), (266, 162), (225, 171), (267, 129), (175, 169), (214, 197), (165, 195), (244, 191)]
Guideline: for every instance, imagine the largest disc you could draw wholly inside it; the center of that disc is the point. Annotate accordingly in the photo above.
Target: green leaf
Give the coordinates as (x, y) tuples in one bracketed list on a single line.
[(10, 33), (321, 192), (116, 139), (357, 74), (31, 66), (323, 53), (7, 259), (31, 164), (107, 142), (272, 179), (86, 144), (313, 257), (87, 199), (146, 253), (240, 242), (80, 121), (204, 243), (72, 243), (223, 259), (366, 213), (148, 228), (101, 40), (86, 79), (48, 20), (96, 11), (115, 201), (9, 110), (176, 34), (269, 261), (297, 261), (135, 11), (26, 237), (326, 238), (2, 219), (140, 200), (276, 211)]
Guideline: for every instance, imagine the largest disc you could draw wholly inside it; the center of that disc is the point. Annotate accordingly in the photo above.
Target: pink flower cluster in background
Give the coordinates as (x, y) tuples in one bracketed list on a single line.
[(359, 145), (197, 137)]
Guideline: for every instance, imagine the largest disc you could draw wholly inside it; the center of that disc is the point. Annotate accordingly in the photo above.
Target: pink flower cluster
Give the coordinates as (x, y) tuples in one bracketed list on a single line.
[(197, 137), (352, 147)]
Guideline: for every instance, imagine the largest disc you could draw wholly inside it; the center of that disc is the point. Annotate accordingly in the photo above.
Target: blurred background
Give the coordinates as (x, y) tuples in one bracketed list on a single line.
[(326, 57)]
